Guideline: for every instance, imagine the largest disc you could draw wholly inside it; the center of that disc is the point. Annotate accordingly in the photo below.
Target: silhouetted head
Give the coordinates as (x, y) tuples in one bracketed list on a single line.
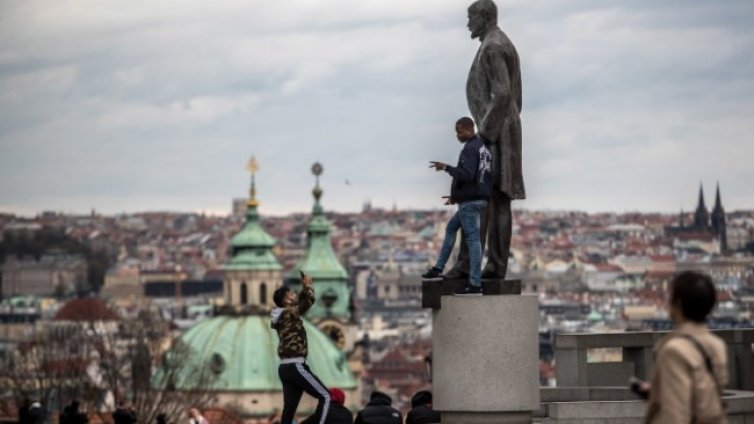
[(464, 129), (284, 297), (482, 17), (692, 297), (379, 398), (422, 397)]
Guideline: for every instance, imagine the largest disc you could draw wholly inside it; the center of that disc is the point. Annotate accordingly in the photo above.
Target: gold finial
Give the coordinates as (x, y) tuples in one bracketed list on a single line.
[(252, 166)]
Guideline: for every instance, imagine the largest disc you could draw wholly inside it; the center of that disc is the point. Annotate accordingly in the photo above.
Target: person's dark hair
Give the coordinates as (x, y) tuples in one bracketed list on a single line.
[(694, 292), (465, 122), (376, 394), (279, 295), (422, 397), (487, 8)]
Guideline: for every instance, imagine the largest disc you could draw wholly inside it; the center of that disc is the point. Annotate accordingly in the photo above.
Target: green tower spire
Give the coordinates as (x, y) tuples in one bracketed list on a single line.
[(252, 246), (329, 277)]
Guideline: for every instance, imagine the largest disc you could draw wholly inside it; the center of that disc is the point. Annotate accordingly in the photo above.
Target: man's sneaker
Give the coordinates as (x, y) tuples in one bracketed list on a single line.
[(469, 290), (455, 274), (432, 274)]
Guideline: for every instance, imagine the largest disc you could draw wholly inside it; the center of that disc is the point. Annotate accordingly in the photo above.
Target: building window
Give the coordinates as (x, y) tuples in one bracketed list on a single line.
[(244, 293), (263, 293)]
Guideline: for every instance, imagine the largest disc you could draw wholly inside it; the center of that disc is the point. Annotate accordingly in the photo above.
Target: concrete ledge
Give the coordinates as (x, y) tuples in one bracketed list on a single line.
[(432, 291), (607, 405), (580, 394), (609, 373), (597, 410), (486, 417), (739, 402), (598, 340)]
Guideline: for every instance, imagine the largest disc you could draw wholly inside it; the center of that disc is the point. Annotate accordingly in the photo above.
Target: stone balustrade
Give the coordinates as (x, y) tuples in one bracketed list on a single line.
[(572, 368)]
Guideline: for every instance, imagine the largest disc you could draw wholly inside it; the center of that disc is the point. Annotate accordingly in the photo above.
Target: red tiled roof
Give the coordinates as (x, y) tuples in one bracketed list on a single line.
[(86, 309), (696, 236), (66, 366), (608, 268), (659, 273)]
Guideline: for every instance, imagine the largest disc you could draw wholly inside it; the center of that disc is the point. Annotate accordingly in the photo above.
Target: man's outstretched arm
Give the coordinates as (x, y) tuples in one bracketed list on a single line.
[(306, 296)]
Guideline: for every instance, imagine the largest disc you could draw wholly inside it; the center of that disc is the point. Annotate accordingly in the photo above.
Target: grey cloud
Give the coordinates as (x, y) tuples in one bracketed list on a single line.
[(161, 106)]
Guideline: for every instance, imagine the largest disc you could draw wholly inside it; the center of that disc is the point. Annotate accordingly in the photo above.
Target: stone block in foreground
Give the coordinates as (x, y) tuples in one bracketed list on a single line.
[(485, 352)]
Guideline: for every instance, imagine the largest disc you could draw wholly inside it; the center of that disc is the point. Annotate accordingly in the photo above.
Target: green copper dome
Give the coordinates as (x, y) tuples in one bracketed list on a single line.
[(252, 235), (252, 246), (242, 351)]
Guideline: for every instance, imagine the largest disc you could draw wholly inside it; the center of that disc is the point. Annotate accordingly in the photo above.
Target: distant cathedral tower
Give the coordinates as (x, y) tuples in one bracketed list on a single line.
[(253, 274), (718, 221), (701, 215), (332, 310), (705, 226)]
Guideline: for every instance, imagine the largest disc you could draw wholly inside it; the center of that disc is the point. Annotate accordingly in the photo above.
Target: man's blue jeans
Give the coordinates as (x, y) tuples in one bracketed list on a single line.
[(467, 217)]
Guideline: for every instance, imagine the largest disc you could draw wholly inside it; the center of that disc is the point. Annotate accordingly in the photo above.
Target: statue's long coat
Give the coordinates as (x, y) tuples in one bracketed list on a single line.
[(493, 92)]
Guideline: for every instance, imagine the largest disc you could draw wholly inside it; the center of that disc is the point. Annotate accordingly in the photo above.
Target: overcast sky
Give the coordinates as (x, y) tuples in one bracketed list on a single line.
[(156, 105)]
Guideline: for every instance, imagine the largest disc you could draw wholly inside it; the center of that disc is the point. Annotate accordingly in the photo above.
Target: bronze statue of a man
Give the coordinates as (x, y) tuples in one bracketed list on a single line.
[(493, 93)]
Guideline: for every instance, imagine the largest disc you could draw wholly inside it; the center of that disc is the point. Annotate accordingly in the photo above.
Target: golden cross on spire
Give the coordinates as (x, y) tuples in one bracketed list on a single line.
[(252, 166)]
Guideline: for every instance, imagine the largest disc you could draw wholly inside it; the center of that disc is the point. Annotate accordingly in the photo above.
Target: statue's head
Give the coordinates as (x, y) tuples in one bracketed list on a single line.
[(482, 17)]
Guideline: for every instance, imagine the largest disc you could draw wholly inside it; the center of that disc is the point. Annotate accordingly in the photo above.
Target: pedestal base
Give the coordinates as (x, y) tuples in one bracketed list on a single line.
[(486, 417), (485, 355)]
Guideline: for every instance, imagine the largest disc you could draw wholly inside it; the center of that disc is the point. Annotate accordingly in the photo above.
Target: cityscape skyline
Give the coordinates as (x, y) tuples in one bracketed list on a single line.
[(135, 108), (687, 209)]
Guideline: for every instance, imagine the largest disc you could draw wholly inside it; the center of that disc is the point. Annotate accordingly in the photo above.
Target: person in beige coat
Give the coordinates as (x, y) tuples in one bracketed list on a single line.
[(690, 369)]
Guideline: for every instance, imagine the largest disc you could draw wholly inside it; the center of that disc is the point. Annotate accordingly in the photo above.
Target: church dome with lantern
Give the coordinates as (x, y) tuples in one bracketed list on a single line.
[(240, 347)]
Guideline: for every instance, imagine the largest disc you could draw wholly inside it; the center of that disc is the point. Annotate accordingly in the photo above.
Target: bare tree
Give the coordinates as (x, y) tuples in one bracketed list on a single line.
[(137, 360), (52, 366)]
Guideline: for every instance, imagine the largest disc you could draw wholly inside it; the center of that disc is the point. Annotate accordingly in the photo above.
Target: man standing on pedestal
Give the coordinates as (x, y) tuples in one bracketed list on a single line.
[(493, 93), (470, 189)]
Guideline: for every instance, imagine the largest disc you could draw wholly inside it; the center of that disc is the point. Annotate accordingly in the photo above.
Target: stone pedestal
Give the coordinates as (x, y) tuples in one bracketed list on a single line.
[(485, 353), (486, 417)]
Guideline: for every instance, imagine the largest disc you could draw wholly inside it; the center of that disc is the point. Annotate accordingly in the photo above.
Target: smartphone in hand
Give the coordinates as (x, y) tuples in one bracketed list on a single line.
[(639, 387)]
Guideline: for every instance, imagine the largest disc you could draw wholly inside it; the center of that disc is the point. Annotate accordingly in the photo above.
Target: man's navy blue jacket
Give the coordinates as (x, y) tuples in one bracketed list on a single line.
[(472, 177)]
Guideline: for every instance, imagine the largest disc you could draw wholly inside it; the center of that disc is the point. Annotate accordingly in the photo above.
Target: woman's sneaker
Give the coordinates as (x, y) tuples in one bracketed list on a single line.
[(432, 274), (469, 290)]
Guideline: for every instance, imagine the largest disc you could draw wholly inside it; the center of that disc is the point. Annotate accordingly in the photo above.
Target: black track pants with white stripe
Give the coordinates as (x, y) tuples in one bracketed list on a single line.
[(298, 378)]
